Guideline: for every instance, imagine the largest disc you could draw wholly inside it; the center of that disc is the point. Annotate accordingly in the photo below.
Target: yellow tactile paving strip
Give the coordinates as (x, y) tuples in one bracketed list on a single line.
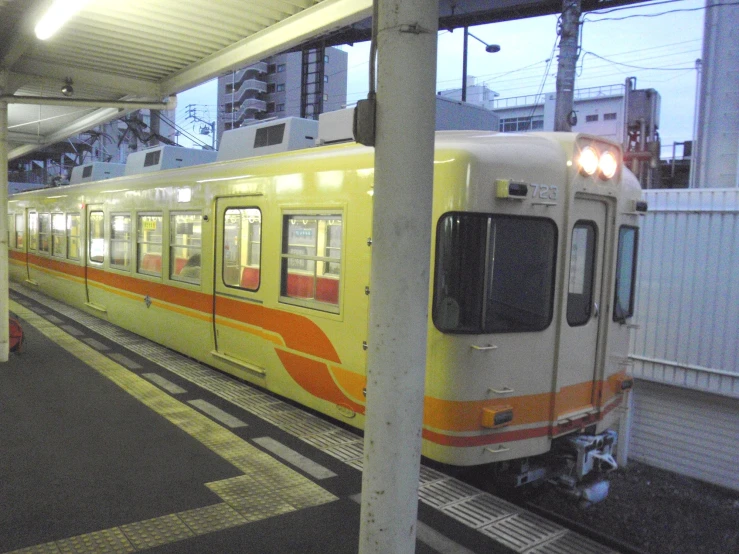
[(266, 489)]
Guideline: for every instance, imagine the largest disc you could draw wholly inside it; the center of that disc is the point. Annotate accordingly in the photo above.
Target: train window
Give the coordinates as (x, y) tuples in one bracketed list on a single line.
[(120, 241), (33, 231), (44, 233), (97, 237), (19, 231), (73, 236), (494, 274), (623, 306), (58, 235), (311, 260), (582, 272), (242, 240), (149, 244), (185, 245)]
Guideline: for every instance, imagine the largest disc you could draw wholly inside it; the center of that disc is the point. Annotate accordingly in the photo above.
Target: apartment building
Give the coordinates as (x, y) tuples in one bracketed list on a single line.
[(299, 84)]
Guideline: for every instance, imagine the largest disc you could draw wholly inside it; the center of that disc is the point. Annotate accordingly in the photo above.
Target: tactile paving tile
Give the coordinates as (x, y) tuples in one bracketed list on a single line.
[(481, 510), (445, 492), (522, 531), (252, 500), (211, 518), (331, 438), (347, 452), (153, 532), (306, 495), (277, 476), (429, 475), (99, 542)]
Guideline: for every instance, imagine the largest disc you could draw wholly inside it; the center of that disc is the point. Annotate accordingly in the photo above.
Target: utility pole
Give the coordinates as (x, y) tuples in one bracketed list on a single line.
[(207, 127), (569, 38)]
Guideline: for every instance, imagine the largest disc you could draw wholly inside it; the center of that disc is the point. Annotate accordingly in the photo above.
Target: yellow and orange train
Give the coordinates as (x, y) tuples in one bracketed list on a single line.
[(259, 267)]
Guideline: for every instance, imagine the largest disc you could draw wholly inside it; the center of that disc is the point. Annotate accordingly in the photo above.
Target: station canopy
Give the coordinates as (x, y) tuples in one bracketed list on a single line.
[(120, 55)]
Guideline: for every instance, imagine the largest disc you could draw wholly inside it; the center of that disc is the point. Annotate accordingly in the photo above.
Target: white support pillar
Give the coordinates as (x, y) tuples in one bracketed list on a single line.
[(407, 35), (4, 300)]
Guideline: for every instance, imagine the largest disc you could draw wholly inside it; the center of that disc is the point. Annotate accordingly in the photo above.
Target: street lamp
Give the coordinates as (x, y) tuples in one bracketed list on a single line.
[(489, 48)]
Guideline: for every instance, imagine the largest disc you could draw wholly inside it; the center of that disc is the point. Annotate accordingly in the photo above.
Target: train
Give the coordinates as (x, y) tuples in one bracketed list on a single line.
[(259, 266)]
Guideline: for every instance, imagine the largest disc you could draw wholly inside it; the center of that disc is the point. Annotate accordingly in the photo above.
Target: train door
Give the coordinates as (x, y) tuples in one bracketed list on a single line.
[(94, 255), (581, 318), (239, 290), (24, 240)]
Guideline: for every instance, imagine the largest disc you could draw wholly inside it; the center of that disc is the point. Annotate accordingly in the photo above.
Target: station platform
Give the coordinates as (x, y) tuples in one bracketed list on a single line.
[(112, 443)]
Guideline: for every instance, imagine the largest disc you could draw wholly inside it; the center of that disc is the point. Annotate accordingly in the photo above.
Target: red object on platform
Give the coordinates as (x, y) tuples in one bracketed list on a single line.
[(16, 335)]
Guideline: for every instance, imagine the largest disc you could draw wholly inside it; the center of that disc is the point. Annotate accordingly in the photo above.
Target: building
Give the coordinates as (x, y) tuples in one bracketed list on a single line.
[(598, 111), (617, 112), (295, 84)]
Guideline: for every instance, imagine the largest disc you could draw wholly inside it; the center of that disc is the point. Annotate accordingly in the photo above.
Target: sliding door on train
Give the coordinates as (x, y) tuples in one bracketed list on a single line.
[(581, 318), (239, 285), (95, 255)]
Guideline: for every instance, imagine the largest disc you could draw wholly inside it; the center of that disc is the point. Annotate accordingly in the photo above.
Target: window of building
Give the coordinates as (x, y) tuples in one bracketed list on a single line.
[(591, 118), (149, 244), (58, 235), (270, 107), (120, 241), (280, 107), (44, 233), (242, 241), (325, 78), (517, 124), (325, 97), (271, 68), (623, 306), (280, 87), (97, 237), (271, 87), (311, 260), (494, 273), (325, 58), (609, 117), (73, 236), (281, 68), (229, 88), (582, 273), (185, 247), (20, 231)]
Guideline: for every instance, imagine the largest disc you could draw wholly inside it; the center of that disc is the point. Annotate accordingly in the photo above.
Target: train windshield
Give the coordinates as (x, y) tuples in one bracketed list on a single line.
[(494, 273)]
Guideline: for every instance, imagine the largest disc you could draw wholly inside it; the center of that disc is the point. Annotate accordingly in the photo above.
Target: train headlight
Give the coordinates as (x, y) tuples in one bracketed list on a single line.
[(608, 165), (588, 160)]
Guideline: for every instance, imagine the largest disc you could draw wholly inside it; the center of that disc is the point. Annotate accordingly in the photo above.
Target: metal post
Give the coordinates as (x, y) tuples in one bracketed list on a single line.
[(401, 242), (4, 297), (568, 46), (464, 66)]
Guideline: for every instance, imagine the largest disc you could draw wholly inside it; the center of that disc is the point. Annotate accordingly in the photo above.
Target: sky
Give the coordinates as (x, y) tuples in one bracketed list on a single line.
[(657, 42)]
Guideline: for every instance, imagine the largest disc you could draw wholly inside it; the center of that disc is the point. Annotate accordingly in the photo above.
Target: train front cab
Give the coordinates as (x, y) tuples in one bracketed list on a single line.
[(533, 287)]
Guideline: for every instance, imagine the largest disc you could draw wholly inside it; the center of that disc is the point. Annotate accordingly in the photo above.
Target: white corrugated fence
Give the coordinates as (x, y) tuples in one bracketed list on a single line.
[(687, 311)]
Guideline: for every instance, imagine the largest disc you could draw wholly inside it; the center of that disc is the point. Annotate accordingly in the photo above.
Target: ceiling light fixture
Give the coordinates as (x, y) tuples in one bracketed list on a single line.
[(57, 15)]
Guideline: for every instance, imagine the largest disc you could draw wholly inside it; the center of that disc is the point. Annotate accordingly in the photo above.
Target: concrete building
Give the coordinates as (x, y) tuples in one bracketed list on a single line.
[(296, 84)]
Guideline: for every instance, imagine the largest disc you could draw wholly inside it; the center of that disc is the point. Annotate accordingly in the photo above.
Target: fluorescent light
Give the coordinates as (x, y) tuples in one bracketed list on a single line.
[(57, 15)]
